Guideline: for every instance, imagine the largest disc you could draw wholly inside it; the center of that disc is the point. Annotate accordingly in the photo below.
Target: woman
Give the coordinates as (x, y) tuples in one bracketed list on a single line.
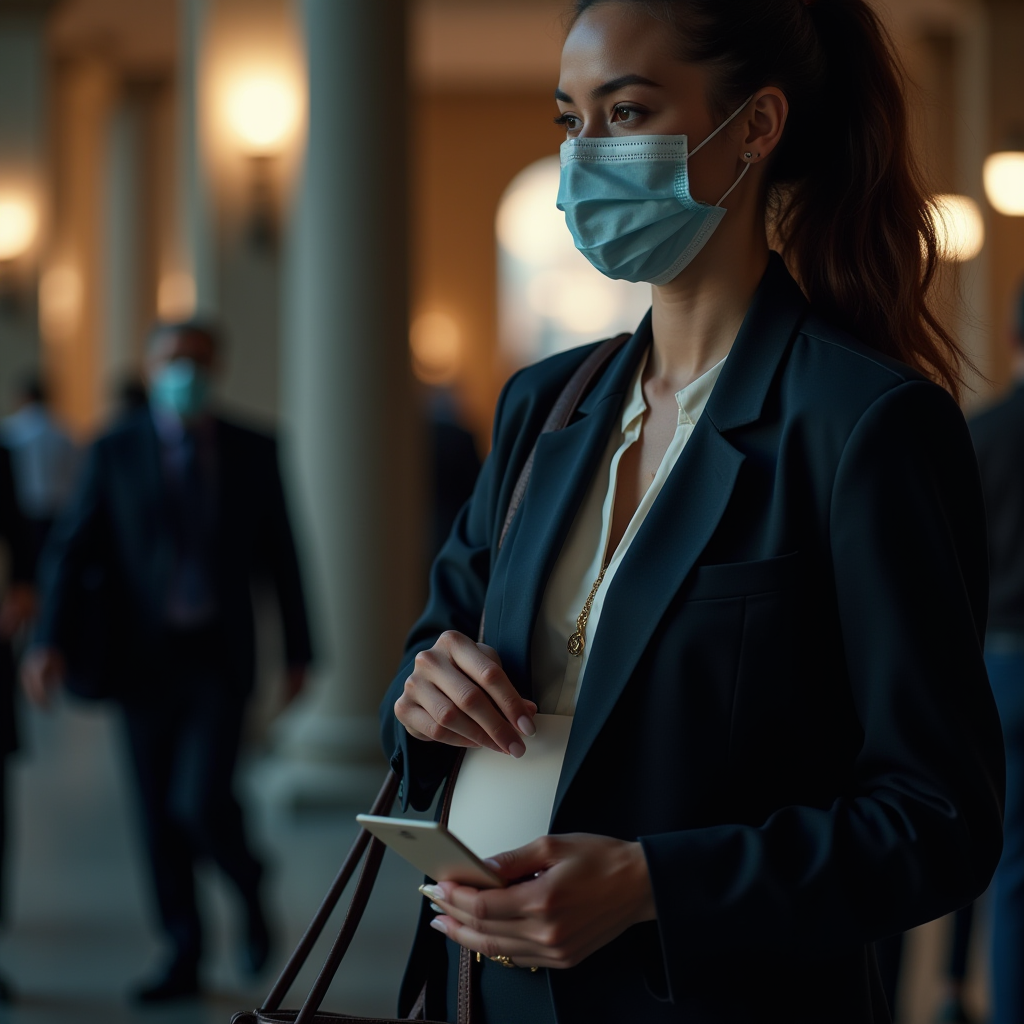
[(766, 521)]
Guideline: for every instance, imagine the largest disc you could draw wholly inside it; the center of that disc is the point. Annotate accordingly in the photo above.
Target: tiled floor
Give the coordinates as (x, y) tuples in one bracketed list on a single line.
[(79, 933)]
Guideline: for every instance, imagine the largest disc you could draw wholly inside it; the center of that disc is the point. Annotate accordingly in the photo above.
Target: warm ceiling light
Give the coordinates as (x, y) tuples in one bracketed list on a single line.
[(18, 224), (263, 111), (1004, 182), (959, 227), (436, 344)]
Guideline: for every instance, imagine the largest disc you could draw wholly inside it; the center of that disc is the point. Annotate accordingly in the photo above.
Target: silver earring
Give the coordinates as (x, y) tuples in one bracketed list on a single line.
[(748, 156)]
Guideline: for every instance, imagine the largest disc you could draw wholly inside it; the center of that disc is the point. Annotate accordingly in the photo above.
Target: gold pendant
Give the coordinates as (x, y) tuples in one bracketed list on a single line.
[(576, 644)]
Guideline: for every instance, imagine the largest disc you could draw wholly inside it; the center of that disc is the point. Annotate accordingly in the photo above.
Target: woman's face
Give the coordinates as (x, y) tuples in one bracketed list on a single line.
[(620, 77)]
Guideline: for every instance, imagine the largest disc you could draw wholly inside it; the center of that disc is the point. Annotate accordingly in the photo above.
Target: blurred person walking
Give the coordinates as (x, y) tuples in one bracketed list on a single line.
[(177, 509), (999, 441), (45, 460), (15, 610)]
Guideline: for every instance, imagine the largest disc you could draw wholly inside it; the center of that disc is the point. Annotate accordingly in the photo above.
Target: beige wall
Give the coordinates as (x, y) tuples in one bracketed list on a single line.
[(468, 147)]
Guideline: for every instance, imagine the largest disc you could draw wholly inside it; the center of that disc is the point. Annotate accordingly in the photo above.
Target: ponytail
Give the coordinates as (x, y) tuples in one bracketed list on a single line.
[(846, 199)]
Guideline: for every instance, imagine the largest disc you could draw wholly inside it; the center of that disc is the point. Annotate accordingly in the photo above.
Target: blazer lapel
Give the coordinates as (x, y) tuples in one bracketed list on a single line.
[(685, 515), (563, 468)]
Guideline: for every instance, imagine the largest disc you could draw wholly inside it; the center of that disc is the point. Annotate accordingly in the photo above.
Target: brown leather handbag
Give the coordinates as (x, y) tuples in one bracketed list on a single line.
[(370, 850)]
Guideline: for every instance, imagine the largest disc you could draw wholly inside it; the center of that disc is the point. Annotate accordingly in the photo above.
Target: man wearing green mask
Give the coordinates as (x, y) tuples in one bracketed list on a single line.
[(146, 598)]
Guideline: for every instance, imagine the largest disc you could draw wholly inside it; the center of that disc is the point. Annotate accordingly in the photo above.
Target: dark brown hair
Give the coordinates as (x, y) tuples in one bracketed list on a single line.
[(845, 197)]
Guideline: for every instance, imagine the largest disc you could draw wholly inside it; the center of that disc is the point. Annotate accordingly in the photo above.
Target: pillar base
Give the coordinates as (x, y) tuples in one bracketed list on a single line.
[(323, 761)]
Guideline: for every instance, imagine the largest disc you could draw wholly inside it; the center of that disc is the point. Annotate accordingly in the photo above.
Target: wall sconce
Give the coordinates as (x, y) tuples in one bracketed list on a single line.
[(176, 296), (19, 224), (60, 303), (1004, 178), (959, 227), (436, 344), (263, 111)]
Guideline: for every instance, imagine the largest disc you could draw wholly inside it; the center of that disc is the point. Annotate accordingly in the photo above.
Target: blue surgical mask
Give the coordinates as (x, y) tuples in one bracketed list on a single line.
[(183, 388), (627, 203)]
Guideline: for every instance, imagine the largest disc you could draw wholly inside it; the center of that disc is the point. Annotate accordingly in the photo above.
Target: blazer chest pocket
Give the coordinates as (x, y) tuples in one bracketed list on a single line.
[(745, 579)]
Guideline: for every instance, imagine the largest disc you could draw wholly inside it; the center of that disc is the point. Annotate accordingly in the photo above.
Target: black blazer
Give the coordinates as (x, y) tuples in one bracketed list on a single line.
[(786, 700), (118, 528)]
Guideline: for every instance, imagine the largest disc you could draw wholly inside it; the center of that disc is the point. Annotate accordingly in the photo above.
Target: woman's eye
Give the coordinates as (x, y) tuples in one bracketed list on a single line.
[(568, 121), (625, 114)]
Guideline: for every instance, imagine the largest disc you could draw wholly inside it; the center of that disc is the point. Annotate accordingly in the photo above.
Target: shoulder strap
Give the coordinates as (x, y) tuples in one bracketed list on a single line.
[(561, 412)]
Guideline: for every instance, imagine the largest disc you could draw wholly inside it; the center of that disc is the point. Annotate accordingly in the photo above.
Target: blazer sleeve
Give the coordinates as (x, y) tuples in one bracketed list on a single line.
[(458, 587), (918, 831), (77, 537), (282, 562)]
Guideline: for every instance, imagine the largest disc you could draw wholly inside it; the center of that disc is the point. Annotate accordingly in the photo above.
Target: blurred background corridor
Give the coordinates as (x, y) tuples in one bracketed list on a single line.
[(359, 194)]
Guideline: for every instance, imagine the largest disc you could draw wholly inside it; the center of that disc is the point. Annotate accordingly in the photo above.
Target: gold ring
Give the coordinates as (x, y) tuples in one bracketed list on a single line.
[(505, 961)]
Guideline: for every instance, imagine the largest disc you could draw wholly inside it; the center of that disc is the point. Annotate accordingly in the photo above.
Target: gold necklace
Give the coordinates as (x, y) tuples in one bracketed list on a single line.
[(578, 641)]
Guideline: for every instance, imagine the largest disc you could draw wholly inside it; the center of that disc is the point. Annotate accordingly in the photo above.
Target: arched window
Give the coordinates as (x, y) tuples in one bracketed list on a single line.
[(549, 297)]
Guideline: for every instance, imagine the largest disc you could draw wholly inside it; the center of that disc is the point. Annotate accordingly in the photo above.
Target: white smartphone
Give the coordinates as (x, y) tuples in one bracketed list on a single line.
[(429, 846)]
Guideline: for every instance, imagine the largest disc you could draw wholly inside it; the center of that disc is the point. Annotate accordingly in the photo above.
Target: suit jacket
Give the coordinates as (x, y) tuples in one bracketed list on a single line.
[(998, 435), (786, 700), (119, 528), (14, 533)]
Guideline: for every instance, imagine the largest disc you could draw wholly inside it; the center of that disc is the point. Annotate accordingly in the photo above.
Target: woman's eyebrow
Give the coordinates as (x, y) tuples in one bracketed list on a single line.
[(620, 83), (609, 87)]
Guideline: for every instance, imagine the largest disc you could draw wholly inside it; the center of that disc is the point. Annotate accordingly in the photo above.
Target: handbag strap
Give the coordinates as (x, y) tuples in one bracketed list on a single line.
[(382, 805), (561, 413)]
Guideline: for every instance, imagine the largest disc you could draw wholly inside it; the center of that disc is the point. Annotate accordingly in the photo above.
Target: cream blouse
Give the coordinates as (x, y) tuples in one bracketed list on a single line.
[(557, 675)]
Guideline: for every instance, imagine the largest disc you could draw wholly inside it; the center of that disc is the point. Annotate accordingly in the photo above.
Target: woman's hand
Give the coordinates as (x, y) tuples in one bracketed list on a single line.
[(459, 695), (588, 891)]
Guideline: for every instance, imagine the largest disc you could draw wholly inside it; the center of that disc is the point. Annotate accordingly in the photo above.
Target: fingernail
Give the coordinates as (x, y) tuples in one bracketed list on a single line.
[(492, 864), (516, 749), (436, 909), (526, 726), (432, 892), (439, 925)]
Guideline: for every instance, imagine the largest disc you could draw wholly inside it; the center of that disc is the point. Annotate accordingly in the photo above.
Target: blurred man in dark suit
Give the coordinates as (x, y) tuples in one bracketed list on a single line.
[(999, 441), (177, 510)]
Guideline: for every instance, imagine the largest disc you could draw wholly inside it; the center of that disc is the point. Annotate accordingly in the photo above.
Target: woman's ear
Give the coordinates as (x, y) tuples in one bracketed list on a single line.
[(764, 124)]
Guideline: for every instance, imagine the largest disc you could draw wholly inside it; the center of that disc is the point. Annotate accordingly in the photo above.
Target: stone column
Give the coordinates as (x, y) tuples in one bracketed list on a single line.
[(22, 131), (195, 214), (348, 399), (124, 248)]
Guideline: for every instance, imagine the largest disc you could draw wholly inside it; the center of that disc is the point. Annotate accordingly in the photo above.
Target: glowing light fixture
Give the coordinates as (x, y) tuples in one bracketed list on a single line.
[(530, 227), (263, 111), (959, 227), (550, 297), (19, 222), (1004, 182), (436, 343), (176, 296), (60, 302)]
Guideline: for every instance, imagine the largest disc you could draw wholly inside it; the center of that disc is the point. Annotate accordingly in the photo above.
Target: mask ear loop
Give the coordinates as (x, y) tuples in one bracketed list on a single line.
[(732, 117), (735, 184)]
